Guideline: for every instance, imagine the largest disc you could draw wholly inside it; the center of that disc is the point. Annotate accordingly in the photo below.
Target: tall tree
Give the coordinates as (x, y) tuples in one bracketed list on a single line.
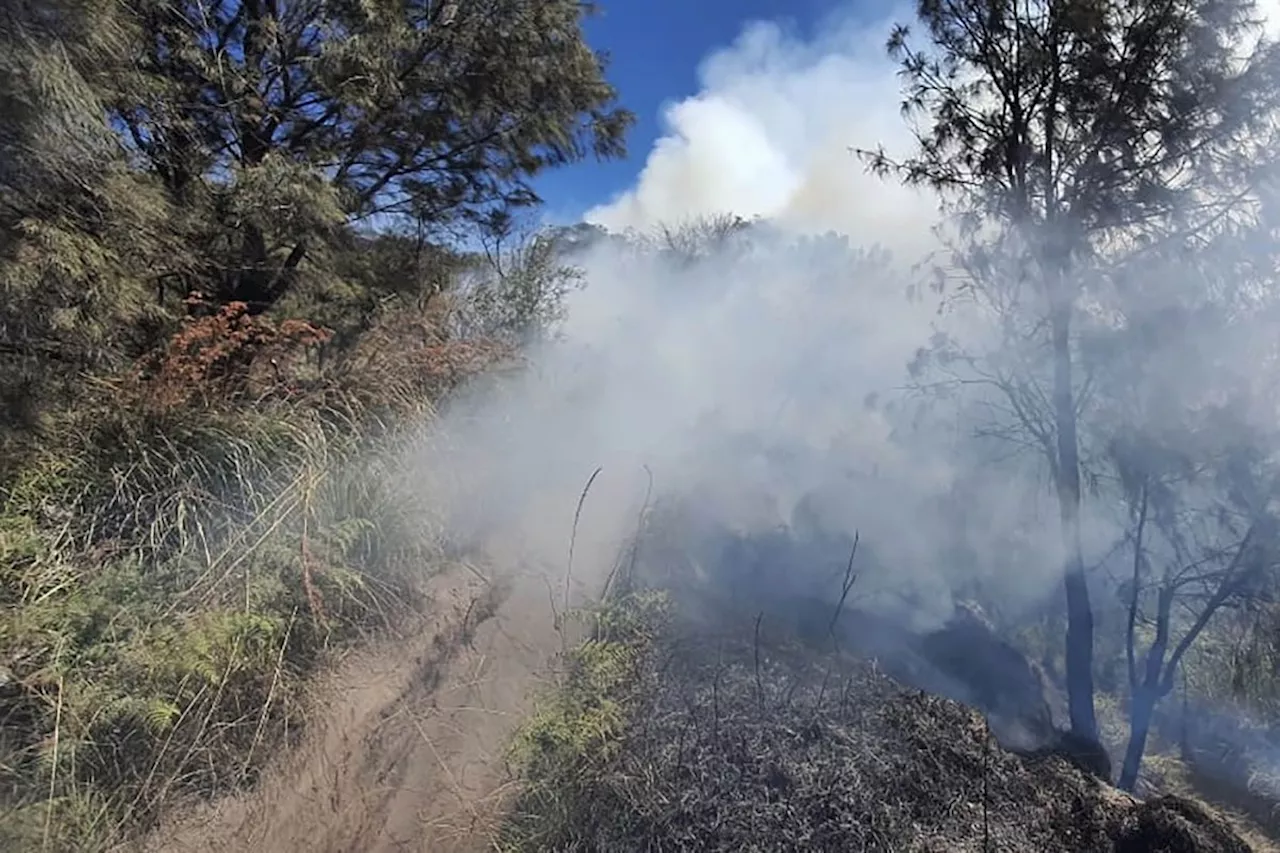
[(1186, 410), (1063, 135), (79, 230), (310, 113)]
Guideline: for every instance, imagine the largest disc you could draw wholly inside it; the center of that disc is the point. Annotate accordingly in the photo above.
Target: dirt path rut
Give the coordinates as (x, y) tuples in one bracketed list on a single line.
[(406, 753)]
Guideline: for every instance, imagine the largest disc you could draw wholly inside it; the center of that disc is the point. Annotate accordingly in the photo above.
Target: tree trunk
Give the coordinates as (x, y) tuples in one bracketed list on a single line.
[(1079, 652), (256, 283), (1141, 709), (251, 282)]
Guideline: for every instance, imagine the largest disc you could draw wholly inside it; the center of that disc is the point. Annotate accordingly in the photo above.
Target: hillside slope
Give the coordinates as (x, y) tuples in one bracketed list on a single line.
[(739, 743)]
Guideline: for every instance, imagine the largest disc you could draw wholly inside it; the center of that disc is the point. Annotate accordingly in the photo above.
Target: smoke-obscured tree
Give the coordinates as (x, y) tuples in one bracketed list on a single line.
[(1187, 409), (1065, 135), (1204, 539), (518, 291), (688, 242), (290, 118)]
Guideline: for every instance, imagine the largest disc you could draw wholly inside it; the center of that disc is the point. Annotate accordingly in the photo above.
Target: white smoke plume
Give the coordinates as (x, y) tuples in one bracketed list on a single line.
[(767, 373), (773, 133), (757, 376)]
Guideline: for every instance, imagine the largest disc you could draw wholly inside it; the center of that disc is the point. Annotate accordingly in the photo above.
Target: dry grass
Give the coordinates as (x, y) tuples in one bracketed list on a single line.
[(1252, 816), (172, 570), (723, 740)]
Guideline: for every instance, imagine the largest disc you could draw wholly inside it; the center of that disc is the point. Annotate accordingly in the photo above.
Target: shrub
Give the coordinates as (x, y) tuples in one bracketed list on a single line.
[(565, 745), (174, 562)]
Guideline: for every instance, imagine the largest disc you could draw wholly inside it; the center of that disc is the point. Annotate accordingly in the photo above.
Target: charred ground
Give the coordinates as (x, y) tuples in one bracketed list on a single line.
[(737, 745), (704, 727)]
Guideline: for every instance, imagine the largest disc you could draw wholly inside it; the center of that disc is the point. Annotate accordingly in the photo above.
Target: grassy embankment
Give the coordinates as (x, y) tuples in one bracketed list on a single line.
[(184, 544)]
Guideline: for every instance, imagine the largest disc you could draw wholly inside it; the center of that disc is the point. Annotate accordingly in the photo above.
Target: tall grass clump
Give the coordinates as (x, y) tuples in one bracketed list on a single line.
[(184, 545)]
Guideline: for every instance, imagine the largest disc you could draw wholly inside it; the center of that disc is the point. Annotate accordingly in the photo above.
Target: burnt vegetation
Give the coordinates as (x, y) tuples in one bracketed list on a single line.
[(735, 732)]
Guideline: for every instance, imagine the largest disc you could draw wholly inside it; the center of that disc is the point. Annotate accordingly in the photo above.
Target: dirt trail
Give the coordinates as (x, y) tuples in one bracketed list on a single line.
[(405, 753)]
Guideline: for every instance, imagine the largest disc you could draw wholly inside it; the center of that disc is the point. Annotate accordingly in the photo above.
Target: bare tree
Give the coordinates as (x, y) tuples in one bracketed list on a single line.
[(1203, 539)]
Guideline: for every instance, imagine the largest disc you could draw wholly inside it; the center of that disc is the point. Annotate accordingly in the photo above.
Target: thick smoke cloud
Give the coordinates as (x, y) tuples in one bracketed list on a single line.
[(771, 371), (751, 379), (770, 134), (755, 377)]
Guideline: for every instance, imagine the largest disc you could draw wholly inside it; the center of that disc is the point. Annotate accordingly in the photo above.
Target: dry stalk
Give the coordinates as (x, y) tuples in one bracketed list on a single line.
[(986, 782), (271, 692), (315, 601), (573, 534), (53, 771), (199, 735), (846, 584), (235, 545), (715, 691), (634, 551), (164, 749), (822, 690), (756, 650)]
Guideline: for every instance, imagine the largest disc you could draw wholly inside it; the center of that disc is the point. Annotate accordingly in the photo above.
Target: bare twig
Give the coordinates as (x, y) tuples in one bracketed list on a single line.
[(573, 535), (634, 550), (759, 680), (467, 633), (846, 584)]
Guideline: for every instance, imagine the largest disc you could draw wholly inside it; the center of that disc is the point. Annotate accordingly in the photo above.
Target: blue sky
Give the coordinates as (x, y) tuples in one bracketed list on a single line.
[(655, 48)]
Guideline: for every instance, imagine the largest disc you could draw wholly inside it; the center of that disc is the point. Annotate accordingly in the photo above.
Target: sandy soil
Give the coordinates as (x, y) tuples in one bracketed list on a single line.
[(405, 751)]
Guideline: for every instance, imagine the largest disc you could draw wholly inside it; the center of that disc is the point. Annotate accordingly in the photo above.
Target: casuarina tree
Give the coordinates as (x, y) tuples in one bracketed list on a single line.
[(1066, 137), (297, 116)]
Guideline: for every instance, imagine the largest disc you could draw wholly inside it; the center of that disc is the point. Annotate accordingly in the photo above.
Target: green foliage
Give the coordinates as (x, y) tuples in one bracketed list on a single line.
[(80, 231), (167, 579), (149, 151), (381, 109), (227, 298), (566, 743)]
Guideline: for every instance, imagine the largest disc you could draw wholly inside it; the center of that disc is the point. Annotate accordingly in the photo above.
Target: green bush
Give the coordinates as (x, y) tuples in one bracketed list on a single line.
[(166, 581), (564, 746)]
